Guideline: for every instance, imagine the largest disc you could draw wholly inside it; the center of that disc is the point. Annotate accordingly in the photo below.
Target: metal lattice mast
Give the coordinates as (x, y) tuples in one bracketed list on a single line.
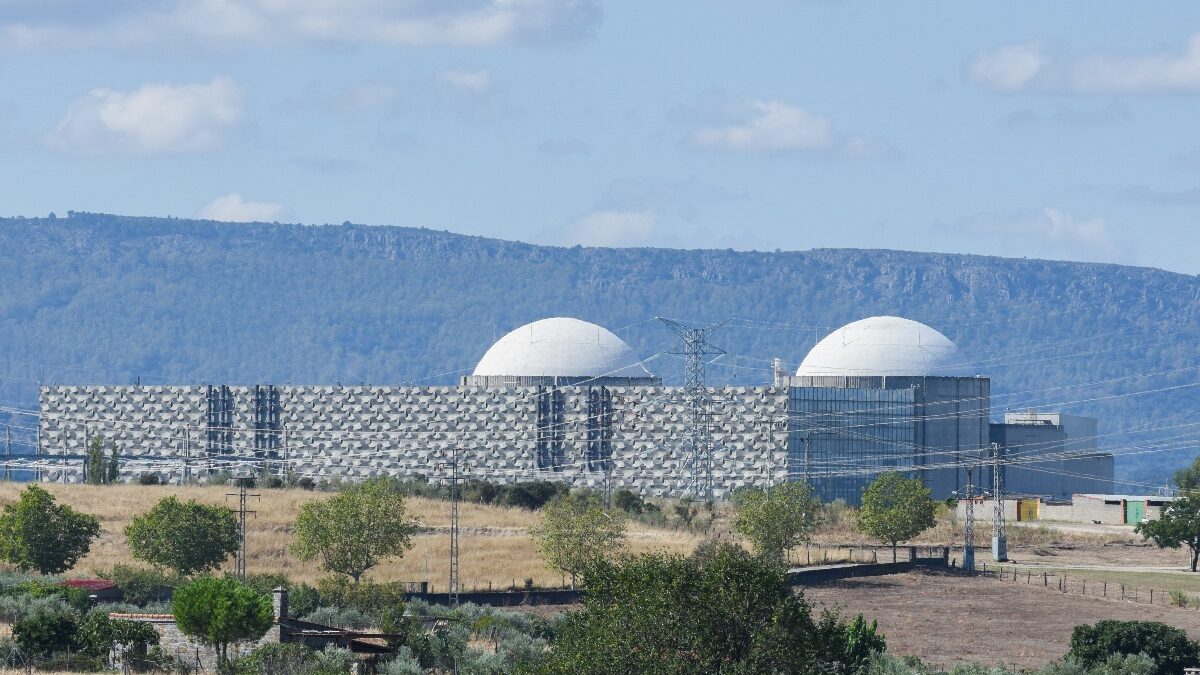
[(452, 583), (697, 460), (999, 541), (240, 563), (969, 534)]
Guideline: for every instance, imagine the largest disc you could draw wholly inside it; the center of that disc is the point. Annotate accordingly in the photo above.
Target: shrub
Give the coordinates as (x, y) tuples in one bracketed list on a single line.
[(1169, 647), (404, 663), (267, 582), (340, 617), (149, 479), (303, 599), (368, 598), (139, 585), (293, 659), (41, 634)]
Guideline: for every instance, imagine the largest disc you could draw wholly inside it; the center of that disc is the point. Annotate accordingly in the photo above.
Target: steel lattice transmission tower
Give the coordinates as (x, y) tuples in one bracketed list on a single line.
[(695, 350), (452, 584), (999, 540)]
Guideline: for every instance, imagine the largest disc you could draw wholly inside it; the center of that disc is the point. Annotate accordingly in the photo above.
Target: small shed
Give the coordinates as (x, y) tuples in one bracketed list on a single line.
[(102, 590)]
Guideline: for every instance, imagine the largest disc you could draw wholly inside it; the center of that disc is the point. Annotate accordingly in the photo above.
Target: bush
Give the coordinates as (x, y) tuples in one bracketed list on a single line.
[(404, 663), (1169, 647), (42, 634), (368, 598), (340, 617), (139, 585), (149, 479), (303, 599), (293, 659), (267, 582)]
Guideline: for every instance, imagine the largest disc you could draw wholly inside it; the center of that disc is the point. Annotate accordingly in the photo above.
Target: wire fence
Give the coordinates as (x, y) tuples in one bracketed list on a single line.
[(1080, 584)]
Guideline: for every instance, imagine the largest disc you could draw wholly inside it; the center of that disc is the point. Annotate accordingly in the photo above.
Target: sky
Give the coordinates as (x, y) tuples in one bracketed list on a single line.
[(1065, 130)]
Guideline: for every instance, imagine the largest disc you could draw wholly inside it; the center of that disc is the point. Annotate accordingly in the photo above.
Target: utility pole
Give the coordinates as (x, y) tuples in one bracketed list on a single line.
[(242, 495), (999, 540), (7, 451), (969, 538), (697, 462), (455, 477), (187, 455)]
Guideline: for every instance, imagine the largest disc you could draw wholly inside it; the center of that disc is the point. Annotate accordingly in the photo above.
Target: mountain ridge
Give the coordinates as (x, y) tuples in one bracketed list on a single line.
[(99, 297)]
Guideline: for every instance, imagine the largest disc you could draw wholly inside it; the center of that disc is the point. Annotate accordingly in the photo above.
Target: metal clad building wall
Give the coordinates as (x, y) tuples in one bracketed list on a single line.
[(359, 432), (839, 438)]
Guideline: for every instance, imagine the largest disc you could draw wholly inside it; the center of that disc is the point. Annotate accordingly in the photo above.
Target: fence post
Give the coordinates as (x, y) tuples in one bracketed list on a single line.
[(1045, 579), (1106, 589), (1152, 596)]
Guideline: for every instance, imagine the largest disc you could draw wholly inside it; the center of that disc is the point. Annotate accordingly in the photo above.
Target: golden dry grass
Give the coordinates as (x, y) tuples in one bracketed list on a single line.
[(495, 546)]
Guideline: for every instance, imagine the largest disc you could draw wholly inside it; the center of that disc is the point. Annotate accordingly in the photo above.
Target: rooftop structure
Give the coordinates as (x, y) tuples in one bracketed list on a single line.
[(887, 346), (559, 349)]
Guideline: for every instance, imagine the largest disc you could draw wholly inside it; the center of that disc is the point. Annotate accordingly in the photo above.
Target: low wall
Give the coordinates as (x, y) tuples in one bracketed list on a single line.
[(826, 573), (563, 596)]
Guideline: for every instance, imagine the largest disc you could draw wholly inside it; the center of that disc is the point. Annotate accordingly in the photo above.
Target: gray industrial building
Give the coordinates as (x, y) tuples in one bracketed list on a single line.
[(1052, 455), (568, 400)]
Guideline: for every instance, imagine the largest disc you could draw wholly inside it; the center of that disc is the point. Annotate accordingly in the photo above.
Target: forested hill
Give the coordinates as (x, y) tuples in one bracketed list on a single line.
[(95, 298)]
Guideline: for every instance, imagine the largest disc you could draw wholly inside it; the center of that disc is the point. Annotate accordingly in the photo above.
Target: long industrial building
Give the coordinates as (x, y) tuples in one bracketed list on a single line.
[(568, 400)]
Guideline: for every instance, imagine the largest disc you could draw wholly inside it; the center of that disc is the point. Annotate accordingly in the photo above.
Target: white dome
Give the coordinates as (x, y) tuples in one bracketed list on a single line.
[(885, 346), (560, 347)]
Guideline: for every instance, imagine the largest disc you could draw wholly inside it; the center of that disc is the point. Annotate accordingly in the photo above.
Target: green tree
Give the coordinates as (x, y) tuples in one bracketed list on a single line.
[(97, 635), (730, 613), (1187, 479), (36, 533), (576, 531), (112, 468), (221, 612), (895, 509), (354, 530), (96, 468), (186, 537), (777, 519), (1178, 524), (1170, 647)]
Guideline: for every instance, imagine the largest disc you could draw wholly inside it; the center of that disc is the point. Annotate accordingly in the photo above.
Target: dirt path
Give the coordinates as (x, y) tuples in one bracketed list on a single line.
[(947, 619)]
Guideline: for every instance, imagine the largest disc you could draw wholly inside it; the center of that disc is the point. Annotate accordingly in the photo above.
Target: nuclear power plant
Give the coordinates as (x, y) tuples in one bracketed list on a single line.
[(564, 399)]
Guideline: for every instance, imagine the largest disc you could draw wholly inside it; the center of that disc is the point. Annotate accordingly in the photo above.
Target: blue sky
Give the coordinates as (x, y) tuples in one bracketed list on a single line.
[(1056, 130)]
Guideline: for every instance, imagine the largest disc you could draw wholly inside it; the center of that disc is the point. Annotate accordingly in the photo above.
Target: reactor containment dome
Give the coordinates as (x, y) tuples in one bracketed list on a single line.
[(888, 346), (560, 347)]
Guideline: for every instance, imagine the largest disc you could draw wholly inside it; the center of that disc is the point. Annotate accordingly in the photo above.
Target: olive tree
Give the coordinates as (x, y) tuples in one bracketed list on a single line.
[(354, 530), (776, 519), (186, 537), (895, 509), (221, 612), (36, 533), (576, 531)]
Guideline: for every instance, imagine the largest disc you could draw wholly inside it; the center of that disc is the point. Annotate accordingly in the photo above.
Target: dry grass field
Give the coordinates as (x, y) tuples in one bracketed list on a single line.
[(947, 619), (495, 546)]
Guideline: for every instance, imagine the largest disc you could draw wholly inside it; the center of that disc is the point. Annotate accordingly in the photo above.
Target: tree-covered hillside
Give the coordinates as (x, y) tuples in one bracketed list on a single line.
[(95, 298)]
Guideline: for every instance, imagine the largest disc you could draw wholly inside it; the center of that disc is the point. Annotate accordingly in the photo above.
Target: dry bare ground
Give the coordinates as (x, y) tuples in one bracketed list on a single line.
[(495, 545), (947, 619)]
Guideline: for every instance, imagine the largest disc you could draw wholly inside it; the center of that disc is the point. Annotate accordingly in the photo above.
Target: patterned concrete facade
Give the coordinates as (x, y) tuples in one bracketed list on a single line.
[(506, 434)]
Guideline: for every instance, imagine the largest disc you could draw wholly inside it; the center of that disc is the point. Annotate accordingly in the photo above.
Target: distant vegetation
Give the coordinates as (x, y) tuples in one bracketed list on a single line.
[(107, 299)]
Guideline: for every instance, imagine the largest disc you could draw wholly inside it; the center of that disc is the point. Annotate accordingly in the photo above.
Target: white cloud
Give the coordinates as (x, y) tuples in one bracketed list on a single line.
[(77, 23), (471, 81), (611, 228), (1045, 233), (1154, 73), (232, 208), (1025, 66), (1008, 68), (769, 126), (152, 120)]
